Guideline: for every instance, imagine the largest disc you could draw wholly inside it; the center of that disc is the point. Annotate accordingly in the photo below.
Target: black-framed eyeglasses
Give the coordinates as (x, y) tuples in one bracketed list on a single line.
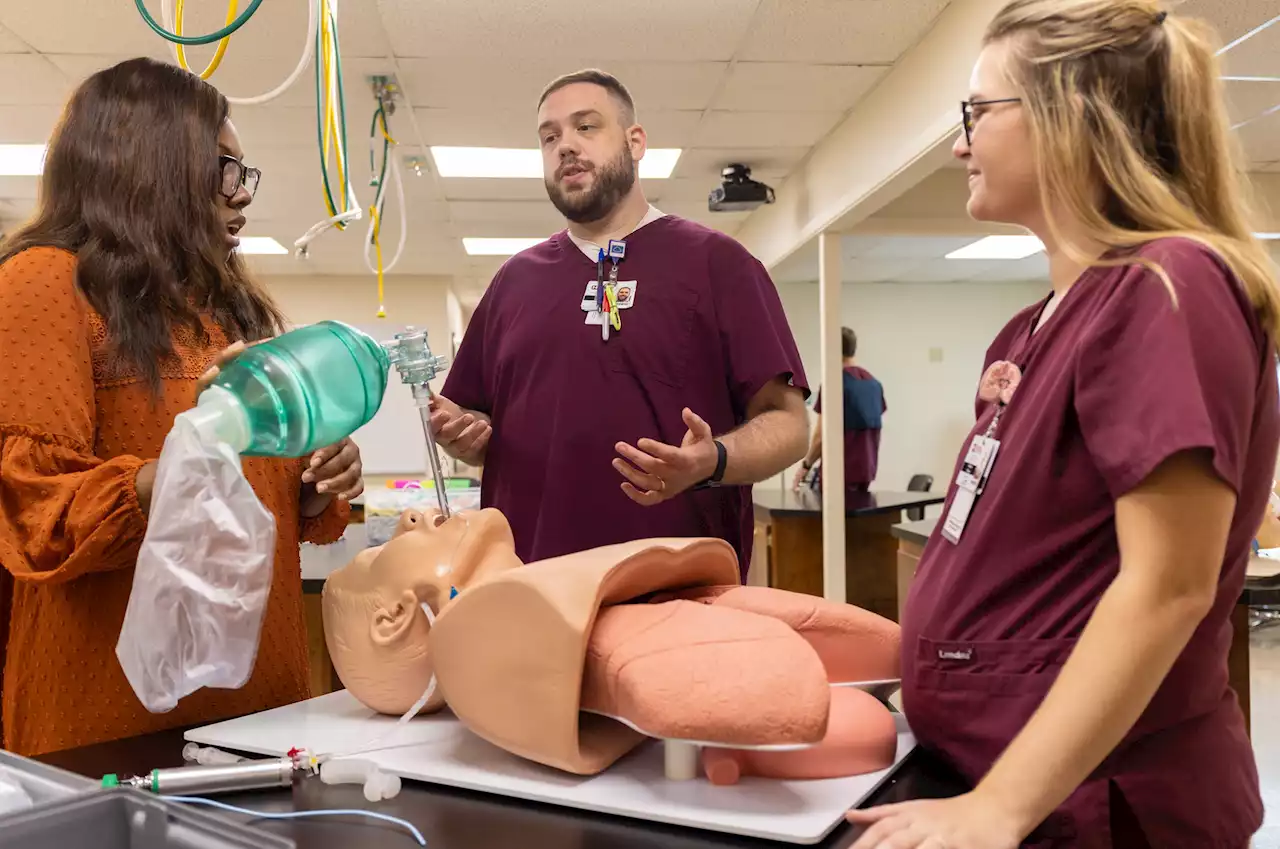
[(233, 174), (966, 113)]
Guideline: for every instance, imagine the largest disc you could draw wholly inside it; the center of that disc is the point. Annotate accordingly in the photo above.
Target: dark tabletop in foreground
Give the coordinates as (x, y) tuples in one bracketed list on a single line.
[(457, 819), (809, 502)]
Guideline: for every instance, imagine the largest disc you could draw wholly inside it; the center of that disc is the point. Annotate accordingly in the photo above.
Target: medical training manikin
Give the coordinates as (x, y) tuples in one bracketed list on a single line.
[(574, 661)]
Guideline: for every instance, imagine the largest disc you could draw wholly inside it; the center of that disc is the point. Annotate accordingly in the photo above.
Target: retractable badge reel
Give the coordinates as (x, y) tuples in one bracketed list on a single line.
[(998, 385), (601, 301)]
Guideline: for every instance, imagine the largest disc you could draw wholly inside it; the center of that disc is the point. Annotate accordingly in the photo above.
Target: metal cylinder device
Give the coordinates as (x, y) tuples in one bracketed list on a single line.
[(411, 354), (205, 780)]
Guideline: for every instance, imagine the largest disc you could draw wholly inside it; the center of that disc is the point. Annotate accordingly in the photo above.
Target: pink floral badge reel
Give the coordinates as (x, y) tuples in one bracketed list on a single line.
[(1000, 382)]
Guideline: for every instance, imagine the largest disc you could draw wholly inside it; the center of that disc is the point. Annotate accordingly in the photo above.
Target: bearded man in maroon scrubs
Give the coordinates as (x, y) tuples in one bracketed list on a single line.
[(611, 401), (1065, 639)]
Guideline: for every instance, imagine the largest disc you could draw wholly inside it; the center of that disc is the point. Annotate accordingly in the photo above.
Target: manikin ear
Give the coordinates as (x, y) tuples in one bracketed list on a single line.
[(390, 625)]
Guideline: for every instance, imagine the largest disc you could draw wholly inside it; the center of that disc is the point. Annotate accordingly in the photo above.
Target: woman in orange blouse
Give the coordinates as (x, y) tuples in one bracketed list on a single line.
[(115, 301)]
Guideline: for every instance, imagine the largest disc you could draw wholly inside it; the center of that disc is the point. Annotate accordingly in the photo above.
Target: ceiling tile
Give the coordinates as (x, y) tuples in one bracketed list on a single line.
[(516, 82), (1248, 100), (9, 43), (1255, 57), (277, 28), (457, 188), (878, 270), (27, 124), (766, 163), (1261, 139), (764, 129), (81, 27), (537, 214), (26, 79), (851, 32), (266, 127), (910, 247), (667, 31), (697, 211), (780, 87), (945, 270), (1231, 19), (1034, 267), (19, 188), (518, 128), (686, 190)]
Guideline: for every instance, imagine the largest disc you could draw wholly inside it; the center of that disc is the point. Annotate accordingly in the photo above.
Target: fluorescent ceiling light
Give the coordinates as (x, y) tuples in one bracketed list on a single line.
[(260, 245), (515, 162), (498, 247), (659, 163), (1266, 237), (21, 160), (999, 247)]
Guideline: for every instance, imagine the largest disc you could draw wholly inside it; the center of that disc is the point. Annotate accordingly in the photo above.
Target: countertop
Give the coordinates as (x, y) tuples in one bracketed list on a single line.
[(458, 819), (916, 532), (319, 560), (807, 502)]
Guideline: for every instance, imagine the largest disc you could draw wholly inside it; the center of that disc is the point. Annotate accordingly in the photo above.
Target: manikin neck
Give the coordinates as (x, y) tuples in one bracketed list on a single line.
[(619, 223)]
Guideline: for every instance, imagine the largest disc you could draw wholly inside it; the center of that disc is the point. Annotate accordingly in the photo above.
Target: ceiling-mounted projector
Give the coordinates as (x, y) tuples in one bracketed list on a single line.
[(738, 192)]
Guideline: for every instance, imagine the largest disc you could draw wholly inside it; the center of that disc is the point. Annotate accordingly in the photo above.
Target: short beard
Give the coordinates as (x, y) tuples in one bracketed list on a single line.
[(613, 180)]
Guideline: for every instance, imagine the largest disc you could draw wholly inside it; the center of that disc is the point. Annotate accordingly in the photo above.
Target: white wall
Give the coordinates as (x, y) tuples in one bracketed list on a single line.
[(902, 329), (392, 443)]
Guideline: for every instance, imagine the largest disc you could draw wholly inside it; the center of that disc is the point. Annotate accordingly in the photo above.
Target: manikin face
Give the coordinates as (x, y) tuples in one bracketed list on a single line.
[(376, 630), (1001, 163)]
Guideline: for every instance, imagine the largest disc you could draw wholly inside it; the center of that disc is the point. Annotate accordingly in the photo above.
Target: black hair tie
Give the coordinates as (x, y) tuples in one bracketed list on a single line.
[(1160, 16)]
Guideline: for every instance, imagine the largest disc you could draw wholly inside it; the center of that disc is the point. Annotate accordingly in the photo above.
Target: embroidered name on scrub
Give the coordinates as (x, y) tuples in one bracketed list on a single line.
[(955, 654)]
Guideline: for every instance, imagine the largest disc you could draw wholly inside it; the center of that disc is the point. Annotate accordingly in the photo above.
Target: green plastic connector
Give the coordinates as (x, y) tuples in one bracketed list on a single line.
[(110, 780)]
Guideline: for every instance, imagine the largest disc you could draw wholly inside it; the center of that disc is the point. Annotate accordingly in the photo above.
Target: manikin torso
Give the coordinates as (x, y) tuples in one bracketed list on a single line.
[(566, 661)]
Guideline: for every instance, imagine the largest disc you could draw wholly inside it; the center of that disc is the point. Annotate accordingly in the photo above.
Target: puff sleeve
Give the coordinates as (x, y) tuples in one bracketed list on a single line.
[(63, 511)]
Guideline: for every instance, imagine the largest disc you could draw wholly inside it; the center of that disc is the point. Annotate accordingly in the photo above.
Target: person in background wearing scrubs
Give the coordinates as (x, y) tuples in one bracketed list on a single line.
[(633, 375), (865, 395), (1065, 639)]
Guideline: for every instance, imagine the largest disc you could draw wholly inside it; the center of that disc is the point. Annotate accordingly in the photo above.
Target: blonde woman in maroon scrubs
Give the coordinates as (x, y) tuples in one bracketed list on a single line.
[(1065, 641)]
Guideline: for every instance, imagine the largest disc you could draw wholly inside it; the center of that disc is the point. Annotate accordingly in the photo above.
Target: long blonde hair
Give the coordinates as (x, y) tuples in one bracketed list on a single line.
[(1121, 94)]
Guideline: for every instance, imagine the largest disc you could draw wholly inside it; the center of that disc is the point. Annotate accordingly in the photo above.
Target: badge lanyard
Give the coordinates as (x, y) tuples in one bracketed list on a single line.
[(998, 385), (601, 300)]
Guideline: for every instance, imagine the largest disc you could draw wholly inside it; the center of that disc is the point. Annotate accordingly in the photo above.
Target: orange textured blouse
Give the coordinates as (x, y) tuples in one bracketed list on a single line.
[(73, 432)]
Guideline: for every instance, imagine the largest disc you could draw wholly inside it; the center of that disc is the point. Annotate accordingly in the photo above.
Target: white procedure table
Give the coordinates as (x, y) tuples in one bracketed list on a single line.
[(438, 749)]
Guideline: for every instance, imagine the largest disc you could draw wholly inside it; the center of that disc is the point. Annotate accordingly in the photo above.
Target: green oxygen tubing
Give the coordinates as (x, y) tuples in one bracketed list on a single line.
[(196, 40)]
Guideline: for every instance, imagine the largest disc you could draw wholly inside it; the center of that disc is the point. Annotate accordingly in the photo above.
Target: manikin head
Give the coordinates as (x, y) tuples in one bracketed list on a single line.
[(591, 144), (377, 633)]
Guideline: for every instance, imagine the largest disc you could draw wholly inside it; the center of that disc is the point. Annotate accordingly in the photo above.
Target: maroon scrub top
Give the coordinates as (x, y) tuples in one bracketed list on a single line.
[(861, 446), (1116, 381), (706, 331)]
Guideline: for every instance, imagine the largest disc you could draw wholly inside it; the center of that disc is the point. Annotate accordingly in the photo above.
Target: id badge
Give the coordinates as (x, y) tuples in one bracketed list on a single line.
[(626, 290), (589, 297), (970, 481)]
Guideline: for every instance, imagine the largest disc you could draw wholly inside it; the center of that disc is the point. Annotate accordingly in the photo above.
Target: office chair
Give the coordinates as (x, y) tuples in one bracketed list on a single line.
[(918, 483)]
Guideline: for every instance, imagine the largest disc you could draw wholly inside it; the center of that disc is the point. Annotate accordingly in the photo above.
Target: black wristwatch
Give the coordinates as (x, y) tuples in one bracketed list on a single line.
[(717, 476)]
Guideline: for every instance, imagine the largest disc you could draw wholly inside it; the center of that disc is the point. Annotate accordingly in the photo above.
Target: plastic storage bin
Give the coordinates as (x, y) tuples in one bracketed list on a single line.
[(41, 782), (73, 812), (127, 819)]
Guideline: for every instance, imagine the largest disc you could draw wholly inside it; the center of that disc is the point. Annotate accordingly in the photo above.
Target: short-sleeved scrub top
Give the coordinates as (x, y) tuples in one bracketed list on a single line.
[(1115, 382), (705, 330)]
